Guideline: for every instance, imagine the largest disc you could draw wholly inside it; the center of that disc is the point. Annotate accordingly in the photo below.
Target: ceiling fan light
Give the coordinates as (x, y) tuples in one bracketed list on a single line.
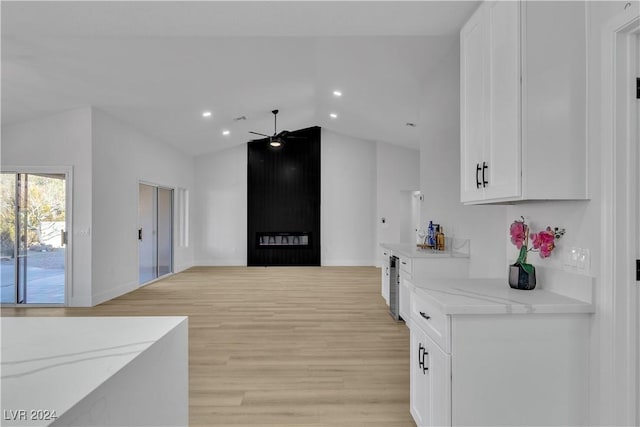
[(275, 143)]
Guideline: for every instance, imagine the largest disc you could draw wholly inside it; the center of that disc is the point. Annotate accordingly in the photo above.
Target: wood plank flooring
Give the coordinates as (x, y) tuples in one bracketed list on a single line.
[(310, 346)]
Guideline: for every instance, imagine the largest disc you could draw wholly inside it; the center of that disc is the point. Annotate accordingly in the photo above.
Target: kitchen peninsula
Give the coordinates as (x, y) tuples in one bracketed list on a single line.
[(95, 371)]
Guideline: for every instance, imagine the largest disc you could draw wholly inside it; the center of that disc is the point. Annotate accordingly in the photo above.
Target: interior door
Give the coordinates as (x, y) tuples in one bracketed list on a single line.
[(33, 231)]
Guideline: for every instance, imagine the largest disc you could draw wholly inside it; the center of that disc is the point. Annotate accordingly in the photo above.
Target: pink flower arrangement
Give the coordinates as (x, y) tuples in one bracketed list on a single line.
[(542, 242)]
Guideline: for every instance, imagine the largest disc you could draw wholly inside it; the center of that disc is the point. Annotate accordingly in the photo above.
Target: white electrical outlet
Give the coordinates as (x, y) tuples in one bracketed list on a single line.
[(572, 257)]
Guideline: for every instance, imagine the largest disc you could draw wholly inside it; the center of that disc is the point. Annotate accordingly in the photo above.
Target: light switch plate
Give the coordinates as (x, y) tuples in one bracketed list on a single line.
[(584, 261), (572, 257)]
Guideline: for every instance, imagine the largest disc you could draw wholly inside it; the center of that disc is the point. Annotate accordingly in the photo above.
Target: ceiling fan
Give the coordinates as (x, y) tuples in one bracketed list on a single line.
[(276, 139)]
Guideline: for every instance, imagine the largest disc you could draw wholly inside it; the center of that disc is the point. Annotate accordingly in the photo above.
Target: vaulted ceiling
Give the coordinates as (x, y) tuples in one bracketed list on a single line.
[(159, 65)]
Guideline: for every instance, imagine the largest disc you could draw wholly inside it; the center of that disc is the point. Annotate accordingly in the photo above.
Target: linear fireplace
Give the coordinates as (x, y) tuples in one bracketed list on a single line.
[(283, 240)]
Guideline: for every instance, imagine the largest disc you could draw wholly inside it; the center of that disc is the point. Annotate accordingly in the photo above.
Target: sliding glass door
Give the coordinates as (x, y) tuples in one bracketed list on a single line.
[(33, 238), (155, 232)]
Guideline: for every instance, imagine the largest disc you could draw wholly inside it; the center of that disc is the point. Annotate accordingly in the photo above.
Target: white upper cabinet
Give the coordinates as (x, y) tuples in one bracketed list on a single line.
[(523, 102)]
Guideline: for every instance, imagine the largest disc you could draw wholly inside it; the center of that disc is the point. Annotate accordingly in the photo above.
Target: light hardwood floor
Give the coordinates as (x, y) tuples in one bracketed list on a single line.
[(280, 346)]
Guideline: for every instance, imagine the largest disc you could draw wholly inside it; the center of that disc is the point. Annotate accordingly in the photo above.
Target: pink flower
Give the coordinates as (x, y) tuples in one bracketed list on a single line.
[(544, 242), (518, 233)]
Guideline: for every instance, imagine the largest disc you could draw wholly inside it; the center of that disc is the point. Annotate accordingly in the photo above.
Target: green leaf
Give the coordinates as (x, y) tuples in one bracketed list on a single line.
[(528, 268), (522, 257)]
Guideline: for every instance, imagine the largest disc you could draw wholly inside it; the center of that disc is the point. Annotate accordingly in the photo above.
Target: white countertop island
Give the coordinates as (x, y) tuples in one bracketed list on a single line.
[(90, 371)]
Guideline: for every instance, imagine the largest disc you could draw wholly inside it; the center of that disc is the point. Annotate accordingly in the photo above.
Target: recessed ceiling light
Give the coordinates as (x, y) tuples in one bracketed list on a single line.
[(206, 114), (337, 93), (333, 115), (226, 132)]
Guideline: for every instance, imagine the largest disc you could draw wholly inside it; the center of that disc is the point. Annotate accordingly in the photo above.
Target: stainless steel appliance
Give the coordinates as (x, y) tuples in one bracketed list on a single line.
[(394, 287)]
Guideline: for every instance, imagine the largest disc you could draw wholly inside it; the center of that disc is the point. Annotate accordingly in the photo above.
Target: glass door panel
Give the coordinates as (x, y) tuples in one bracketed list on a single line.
[(165, 231), (33, 223), (155, 233), (8, 240), (147, 235)]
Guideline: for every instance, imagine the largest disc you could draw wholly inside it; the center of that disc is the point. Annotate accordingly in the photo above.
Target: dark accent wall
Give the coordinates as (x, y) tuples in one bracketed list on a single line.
[(284, 197)]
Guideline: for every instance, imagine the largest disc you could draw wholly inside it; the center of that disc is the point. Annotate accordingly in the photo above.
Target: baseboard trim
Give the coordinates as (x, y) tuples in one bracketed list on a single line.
[(114, 293)]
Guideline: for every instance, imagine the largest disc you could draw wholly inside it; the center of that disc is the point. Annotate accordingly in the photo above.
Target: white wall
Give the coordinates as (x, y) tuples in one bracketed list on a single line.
[(62, 139), (220, 202), (348, 199), (398, 174), (348, 186), (440, 174), (122, 157)]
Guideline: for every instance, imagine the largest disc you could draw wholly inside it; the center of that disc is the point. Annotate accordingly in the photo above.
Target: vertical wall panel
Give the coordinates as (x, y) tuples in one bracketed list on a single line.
[(283, 186)]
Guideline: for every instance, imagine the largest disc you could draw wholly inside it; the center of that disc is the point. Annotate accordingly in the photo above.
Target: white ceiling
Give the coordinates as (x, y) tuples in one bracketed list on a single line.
[(158, 65)]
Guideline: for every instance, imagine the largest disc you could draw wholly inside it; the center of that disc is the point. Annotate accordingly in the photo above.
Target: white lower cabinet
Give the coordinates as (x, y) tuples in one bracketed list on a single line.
[(507, 369)]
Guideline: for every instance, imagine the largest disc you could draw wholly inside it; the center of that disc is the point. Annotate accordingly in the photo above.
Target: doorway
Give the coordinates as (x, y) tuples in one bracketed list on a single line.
[(636, 114), (155, 232), (33, 238)]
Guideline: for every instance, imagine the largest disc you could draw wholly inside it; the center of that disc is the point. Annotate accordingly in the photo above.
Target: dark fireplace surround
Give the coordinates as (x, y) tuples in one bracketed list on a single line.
[(283, 201)]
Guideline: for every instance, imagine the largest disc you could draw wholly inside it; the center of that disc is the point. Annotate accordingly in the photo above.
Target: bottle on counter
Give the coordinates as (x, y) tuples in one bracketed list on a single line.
[(440, 239), (431, 235)]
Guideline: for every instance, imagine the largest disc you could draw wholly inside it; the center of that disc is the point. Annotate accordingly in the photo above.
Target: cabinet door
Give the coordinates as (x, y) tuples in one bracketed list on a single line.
[(473, 104), (405, 300), (502, 155), (430, 397), (439, 367), (419, 385)]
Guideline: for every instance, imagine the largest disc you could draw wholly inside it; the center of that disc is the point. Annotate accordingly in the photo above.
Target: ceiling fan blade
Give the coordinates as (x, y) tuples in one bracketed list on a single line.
[(261, 134)]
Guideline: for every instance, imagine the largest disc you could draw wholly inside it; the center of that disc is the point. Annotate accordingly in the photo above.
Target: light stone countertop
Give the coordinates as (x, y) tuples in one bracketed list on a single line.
[(412, 251), (494, 296), (52, 363)]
